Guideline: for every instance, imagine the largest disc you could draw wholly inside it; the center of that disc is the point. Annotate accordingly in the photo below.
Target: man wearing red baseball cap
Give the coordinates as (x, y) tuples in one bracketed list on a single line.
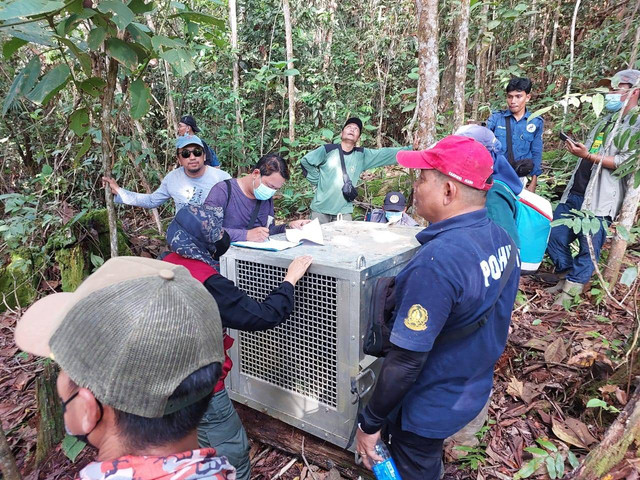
[(453, 310)]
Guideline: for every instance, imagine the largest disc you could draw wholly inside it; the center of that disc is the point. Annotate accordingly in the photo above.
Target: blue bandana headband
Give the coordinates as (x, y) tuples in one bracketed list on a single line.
[(194, 232)]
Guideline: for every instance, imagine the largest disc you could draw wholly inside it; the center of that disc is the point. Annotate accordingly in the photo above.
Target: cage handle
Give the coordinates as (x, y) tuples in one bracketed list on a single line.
[(357, 388), (361, 262)]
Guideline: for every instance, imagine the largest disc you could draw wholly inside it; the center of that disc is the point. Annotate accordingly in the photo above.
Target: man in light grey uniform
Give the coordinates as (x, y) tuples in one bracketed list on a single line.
[(187, 185)]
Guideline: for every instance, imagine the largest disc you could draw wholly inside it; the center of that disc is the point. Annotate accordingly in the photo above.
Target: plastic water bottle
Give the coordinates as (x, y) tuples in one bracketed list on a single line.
[(386, 468)]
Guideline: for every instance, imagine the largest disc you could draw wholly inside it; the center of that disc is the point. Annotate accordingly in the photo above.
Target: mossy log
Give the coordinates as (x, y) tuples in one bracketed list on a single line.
[(617, 440), (8, 466), (51, 424), (18, 281)]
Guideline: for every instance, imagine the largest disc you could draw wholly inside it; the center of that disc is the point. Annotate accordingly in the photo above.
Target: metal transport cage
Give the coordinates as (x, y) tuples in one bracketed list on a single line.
[(302, 371)]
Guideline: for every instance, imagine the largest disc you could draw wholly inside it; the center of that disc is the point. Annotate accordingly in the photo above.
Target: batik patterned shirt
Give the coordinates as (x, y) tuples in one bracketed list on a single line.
[(191, 465)]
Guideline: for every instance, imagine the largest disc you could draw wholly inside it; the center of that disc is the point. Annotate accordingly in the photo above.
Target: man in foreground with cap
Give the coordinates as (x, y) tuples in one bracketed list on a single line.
[(187, 185), (187, 126), (453, 309), (607, 190), (393, 211), (139, 345), (331, 166)]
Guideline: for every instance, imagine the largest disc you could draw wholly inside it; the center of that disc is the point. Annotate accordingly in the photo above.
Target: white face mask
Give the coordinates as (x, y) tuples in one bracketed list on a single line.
[(393, 217)]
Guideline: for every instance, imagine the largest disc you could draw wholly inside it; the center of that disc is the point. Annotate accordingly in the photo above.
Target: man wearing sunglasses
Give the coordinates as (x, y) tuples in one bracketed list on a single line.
[(187, 185)]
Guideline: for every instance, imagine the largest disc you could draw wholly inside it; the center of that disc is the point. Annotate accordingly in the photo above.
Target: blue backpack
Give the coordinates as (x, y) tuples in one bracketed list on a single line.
[(533, 221)]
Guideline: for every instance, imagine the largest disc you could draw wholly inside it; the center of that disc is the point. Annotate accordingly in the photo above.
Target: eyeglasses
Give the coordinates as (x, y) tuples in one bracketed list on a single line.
[(68, 401), (187, 153)]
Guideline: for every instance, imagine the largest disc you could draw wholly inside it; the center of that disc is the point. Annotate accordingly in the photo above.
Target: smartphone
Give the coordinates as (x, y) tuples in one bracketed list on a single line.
[(564, 137)]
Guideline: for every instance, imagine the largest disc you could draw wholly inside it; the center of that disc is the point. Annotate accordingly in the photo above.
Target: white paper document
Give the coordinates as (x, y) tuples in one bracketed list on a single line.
[(271, 245), (311, 231)]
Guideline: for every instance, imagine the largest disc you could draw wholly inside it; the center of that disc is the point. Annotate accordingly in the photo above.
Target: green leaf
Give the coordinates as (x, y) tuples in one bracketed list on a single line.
[(629, 276), (24, 81), (71, 446), (536, 451), (140, 99), (559, 465), (547, 444), (96, 260), (138, 6), (408, 91), (573, 460), (623, 232), (202, 18), (83, 58), (53, 81), (46, 170), (596, 402), (14, 9), (122, 52), (10, 47), (537, 321), (597, 102), (36, 32), (122, 15), (409, 107), (595, 225), (180, 60), (413, 76), (537, 113), (79, 122), (528, 469), (577, 225), (159, 41), (551, 467), (84, 148), (96, 37), (140, 36), (326, 133), (291, 72), (93, 86), (493, 24)]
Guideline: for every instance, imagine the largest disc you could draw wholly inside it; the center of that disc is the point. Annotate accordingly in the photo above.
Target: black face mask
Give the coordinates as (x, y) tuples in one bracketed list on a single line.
[(222, 246)]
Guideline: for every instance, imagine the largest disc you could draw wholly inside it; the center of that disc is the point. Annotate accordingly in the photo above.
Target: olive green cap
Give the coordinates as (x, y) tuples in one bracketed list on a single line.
[(130, 333)]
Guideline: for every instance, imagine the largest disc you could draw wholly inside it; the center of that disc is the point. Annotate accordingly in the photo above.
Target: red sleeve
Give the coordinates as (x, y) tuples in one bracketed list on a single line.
[(199, 270)]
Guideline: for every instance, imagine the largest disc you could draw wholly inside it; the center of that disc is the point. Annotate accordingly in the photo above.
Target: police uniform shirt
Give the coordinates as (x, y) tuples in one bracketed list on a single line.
[(450, 283), (526, 136)]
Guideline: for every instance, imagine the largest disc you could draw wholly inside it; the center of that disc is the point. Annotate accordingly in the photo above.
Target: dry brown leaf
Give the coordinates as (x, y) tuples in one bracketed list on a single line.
[(524, 390), (621, 396), (555, 352), (572, 431), (536, 344), (584, 359)]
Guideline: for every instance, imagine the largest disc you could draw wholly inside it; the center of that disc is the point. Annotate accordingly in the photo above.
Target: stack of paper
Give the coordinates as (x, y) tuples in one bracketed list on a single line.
[(271, 245), (311, 231)]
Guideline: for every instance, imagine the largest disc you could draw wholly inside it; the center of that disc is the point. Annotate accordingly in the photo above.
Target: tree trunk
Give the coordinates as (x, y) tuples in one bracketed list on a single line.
[(619, 436), (233, 23), (554, 37), (634, 50), (172, 119), (8, 466), (332, 6), (107, 151), (625, 32), (482, 47), (428, 68), (619, 244), (462, 33), (51, 424), (147, 189), (290, 79)]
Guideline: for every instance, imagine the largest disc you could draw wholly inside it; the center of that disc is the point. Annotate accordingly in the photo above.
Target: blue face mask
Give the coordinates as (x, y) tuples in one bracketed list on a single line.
[(393, 216), (614, 102), (263, 192)]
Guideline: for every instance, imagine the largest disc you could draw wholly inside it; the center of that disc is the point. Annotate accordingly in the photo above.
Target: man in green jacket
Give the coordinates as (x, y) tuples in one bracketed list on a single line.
[(322, 167)]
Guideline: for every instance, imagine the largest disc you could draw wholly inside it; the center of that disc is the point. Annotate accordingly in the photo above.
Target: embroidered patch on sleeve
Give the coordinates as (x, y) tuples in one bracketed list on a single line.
[(416, 318)]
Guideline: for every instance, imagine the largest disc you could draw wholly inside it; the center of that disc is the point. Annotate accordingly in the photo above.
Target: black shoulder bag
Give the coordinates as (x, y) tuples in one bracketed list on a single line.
[(377, 337), (349, 192), (522, 167), (256, 209)]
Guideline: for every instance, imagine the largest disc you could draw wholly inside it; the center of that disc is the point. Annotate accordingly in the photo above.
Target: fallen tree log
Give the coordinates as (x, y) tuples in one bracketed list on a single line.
[(278, 434), (613, 447)]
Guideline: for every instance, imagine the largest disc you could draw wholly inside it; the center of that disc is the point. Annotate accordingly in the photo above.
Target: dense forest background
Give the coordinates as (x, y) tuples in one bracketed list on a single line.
[(90, 87)]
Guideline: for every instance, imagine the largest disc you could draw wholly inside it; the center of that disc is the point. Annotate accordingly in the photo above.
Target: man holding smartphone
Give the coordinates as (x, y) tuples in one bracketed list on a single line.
[(520, 136), (187, 185), (604, 190)]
